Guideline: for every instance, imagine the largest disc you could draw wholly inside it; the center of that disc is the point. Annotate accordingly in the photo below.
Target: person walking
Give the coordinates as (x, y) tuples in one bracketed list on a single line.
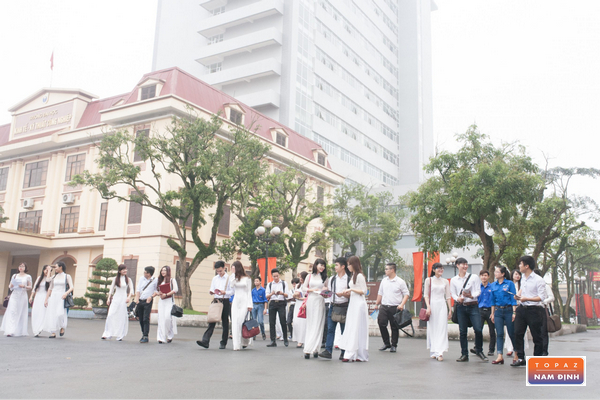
[(144, 296), (547, 302), (355, 340), (259, 305), (299, 334), (14, 322), (338, 284), (508, 344), (439, 310), (242, 304), (291, 307), (119, 296), (530, 312), (504, 307), (391, 298), (167, 324), (56, 314), (485, 310), (37, 298), (465, 289), (315, 308), (277, 294), (220, 288)]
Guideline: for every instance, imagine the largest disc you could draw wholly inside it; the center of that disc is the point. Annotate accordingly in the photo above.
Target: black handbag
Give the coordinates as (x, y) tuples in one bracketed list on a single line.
[(69, 300), (454, 309), (176, 311), (250, 327), (338, 313), (403, 318)]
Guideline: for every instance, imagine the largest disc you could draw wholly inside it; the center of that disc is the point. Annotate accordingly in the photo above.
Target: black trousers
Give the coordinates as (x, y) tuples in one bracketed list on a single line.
[(531, 317), (290, 318), (143, 311), (544, 327), (277, 307), (386, 315), (486, 317), (224, 321), (325, 327)]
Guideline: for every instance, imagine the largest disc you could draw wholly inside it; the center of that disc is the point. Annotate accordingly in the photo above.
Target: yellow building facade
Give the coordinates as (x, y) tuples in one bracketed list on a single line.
[(52, 138)]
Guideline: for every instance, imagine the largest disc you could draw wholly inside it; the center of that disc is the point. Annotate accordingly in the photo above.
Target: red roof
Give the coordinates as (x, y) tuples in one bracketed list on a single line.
[(195, 91)]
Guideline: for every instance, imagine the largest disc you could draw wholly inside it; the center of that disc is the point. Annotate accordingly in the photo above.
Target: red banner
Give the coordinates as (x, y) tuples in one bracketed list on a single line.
[(261, 268), (595, 276), (587, 299), (418, 269), (597, 307), (433, 258)]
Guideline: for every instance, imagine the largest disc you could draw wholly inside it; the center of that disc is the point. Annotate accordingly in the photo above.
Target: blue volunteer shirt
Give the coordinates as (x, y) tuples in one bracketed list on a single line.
[(259, 296), (503, 294), (485, 298)]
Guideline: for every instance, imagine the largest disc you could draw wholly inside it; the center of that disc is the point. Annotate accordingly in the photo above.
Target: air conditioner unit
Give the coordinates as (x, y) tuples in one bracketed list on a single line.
[(28, 203), (68, 198)]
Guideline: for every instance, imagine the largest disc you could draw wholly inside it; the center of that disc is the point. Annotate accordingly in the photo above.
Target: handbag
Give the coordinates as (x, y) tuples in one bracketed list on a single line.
[(6, 300), (216, 308), (302, 311), (454, 312), (423, 312), (339, 311), (403, 318), (176, 311), (250, 327), (554, 323), (69, 300)]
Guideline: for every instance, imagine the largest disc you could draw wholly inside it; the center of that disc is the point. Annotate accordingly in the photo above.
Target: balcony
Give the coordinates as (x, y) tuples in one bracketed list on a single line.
[(262, 98), (212, 4), (245, 72), (219, 23), (216, 52)]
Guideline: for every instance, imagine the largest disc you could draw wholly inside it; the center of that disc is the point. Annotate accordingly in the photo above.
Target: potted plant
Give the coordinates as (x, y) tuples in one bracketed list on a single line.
[(105, 270)]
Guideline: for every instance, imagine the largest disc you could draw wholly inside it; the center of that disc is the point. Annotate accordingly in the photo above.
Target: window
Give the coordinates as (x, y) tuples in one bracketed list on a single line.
[(148, 92), (144, 132), (75, 165), (35, 174), (69, 219), (103, 214), (301, 190), (320, 194), (30, 221), (280, 139), (235, 116), (218, 10), (321, 158), (135, 211), (3, 178), (212, 68), (131, 265), (215, 39), (224, 224)]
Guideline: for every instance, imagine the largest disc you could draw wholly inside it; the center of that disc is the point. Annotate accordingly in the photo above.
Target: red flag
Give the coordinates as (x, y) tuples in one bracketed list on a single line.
[(418, 270), (433, 258), (261, 269), (52, 61)]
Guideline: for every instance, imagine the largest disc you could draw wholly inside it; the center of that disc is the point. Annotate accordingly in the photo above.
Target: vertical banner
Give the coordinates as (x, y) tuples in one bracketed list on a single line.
[(587, 300), (261, 269), (432, 258), (597, 307), (418, 271)]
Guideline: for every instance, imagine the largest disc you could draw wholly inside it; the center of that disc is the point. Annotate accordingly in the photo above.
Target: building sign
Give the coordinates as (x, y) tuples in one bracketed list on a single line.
[(43, 120), (372, 290), (595, 276)]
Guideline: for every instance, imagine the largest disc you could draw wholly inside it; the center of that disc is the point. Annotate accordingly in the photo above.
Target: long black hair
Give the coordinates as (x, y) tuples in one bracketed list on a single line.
[(37, 284), (239, 270), (356, 267), (315, 269), (517, 283), (505, 272), (161, 278), (434, 267), (118, 277), (303, 275)]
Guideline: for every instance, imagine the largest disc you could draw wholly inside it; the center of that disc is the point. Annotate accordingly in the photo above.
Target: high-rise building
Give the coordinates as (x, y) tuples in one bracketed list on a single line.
[(353, 75)]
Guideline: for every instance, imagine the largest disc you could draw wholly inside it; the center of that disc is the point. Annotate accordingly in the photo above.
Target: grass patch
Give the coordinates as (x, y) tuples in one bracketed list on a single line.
[(187, 311)]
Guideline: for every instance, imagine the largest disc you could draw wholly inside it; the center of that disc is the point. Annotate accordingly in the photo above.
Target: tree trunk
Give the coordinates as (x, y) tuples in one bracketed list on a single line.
[(183, 281)]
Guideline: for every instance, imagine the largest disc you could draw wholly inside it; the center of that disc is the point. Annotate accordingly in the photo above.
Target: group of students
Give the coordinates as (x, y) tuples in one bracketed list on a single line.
[(514, 302)]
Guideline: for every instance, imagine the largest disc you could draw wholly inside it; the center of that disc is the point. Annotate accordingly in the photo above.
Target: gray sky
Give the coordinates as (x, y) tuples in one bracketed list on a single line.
[(522, 70)]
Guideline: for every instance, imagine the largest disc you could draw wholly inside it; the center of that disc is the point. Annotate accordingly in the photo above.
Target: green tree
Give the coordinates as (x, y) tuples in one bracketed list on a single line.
[(3, 219), (208, 164), (102, 275), (474, 196)]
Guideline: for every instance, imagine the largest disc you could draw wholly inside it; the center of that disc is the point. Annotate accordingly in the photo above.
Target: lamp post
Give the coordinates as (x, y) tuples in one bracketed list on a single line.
[(267, 239), (452, 260)]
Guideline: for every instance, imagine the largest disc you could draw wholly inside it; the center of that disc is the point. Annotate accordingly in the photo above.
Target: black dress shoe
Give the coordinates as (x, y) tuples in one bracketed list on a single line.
[(463, 359), (272, 344), (545, 354), (482, 356), (393, 349), (325, 354), (307, 356), (491, 353), (385, 347), (473, 351), (222, 346), (316, 355), (519, 363), (202, 344), (286, 343)]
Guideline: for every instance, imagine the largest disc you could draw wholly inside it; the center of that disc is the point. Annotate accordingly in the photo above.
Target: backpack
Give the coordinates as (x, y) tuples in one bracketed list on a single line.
[(282, 284)]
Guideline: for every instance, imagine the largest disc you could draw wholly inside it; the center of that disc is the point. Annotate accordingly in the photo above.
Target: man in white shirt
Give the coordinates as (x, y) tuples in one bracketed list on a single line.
[(277, 295), (530, 312), (143, 297), (465, 289), (220, 288), (339, 302), (392, 296)]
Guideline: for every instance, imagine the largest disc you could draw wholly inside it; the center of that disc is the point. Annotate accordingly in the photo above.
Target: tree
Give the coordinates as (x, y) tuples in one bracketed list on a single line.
[(102, 275), (207, 164), (3, 219), (376, 220), (474, 197)]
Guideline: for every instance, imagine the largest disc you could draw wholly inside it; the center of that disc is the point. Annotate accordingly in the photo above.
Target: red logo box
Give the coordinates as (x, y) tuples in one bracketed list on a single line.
[(556, 371)]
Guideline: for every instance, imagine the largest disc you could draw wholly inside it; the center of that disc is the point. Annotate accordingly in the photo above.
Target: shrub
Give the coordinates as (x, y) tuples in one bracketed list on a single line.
[(80, 302), (105, 270)]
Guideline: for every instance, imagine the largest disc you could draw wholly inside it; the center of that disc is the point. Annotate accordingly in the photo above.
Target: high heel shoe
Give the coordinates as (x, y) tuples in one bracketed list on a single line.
[(307, 356), (498, 362)]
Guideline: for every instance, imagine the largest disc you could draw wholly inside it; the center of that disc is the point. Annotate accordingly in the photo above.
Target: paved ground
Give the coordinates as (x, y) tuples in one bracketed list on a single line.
[(80, 365)]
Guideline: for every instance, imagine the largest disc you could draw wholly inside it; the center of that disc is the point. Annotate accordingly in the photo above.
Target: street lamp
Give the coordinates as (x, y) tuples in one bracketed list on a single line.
[(452, 260), (267, 239)]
